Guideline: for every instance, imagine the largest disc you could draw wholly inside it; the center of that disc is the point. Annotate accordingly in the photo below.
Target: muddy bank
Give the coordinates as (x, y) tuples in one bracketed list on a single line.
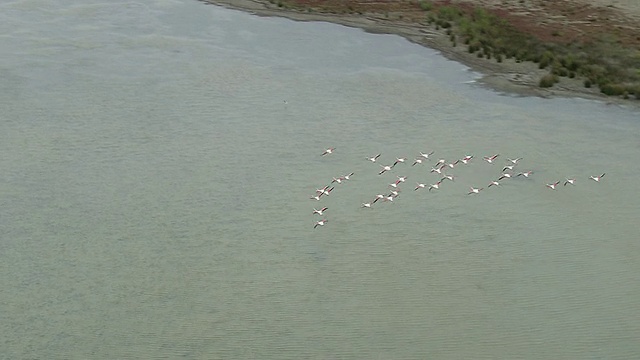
[(508, 76)]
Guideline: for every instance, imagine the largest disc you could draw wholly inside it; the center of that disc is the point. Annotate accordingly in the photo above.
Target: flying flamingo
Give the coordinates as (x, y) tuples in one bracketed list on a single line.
[(320, 223), (474, 190), (374, 158), (596, 178), (399, 160), (553, 186), (426, 155), (319, 212), (328, 151), (490, 159), (385, 168), (435, 186)]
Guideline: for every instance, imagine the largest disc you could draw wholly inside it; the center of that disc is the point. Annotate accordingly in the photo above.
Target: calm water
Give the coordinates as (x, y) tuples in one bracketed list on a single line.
[(157, 163)]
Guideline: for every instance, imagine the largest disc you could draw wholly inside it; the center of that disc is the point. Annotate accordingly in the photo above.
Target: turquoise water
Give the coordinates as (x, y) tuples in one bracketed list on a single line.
[(157, 163)]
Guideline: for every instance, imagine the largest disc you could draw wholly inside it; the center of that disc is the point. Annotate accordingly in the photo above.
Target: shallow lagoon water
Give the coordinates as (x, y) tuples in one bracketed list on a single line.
[(158, 159)]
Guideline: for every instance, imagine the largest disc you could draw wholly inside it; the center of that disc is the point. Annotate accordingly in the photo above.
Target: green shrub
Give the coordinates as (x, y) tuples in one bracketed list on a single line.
[(612, 89), (426, 5), (548, 80)]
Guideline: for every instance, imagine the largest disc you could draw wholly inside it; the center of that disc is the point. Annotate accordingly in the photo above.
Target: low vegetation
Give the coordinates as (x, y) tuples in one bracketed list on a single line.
[(602, 62)]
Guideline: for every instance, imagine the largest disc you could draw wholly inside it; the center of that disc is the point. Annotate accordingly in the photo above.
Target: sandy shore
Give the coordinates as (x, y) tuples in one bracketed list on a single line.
[(507, 77)]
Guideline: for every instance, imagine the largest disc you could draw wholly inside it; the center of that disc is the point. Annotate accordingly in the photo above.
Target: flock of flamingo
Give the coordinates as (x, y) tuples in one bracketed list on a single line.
[(439, 168)]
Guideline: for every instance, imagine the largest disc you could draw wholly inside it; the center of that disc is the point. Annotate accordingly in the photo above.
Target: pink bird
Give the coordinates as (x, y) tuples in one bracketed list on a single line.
[(465, 160), (319, 212), (596, 178), (327, 191), (438, 169), (474, 190), (385, 168), (490, 159), (570, 181), (320, 223), (426, 155), (328, 151), (435, 186), (525, 174), (373, 158), (553, 186), (493, 183), (399, 160)]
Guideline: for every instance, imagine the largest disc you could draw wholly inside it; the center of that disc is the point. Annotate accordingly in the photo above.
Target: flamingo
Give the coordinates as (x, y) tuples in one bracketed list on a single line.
[(337, 180), (401, 179), (553, 186), (435, 186), (426, 156), (437, 170), (385, 168), (505, 175), (389, 198), (490, 159), (399, 160), (493, 183), (320, 223), (570, 181), (366, 205), (474, 190), (319, 212), (525, 174), (448, 177), (596, 178), (327, 191), (508, 167), (417, 161), (451, 165), (465, 160), (374, 158), (348, 176), (328, 151), (420, 186), (514, 161)]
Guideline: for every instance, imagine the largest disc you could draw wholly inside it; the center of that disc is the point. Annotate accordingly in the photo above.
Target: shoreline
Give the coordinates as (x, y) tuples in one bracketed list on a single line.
[(508, 77)]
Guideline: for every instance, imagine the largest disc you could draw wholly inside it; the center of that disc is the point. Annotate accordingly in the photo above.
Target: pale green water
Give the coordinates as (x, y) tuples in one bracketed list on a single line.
[(155, 197)]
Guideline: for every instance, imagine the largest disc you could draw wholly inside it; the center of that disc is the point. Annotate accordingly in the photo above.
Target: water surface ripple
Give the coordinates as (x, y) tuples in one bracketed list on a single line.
[(157, 163)]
